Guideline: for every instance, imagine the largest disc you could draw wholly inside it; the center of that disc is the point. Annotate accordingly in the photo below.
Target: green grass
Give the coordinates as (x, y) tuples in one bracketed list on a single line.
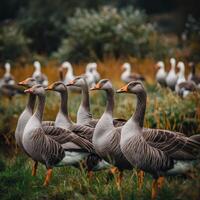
[(164, 110)]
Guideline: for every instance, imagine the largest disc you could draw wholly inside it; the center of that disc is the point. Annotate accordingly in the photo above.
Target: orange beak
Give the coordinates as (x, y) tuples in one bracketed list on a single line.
[(50, 87), (123, 89), (96, 87), (30, 90), (71, 83), (23, 83)]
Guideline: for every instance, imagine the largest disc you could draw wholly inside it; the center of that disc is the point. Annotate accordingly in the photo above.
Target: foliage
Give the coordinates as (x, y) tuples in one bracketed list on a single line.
[(192, 30), (13, 43), (93, 34)]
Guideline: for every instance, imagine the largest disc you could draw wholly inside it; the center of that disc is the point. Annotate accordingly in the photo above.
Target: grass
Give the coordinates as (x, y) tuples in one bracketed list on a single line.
[(164, 110)]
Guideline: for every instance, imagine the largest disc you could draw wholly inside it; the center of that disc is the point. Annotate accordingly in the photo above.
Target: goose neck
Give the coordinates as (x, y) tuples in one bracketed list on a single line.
[(40, 107), (85, 102), (31, 102), (139, 114), (110, 101)]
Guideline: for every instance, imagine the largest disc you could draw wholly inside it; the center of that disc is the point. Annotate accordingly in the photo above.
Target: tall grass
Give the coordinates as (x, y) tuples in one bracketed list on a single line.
[(164, 110)]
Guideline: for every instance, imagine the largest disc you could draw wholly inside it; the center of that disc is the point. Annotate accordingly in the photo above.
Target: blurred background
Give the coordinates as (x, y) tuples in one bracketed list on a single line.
[(109, 33), (83, 30)]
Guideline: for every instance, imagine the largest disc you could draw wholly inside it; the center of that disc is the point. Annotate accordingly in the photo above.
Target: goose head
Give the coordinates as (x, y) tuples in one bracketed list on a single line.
[(135, 87), (181, 66), (103, 84), (126, 66), (160, 65), (89, 68), (172, 62), (66, 65), (37, 90), (79, 81), (28, 82), (57, 86)]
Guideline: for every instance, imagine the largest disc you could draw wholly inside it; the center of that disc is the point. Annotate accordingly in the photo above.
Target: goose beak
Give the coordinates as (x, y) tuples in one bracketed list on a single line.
[(30, 90), (22, 83), (70, 83), (123, 89), (50, 87), (96, 87)]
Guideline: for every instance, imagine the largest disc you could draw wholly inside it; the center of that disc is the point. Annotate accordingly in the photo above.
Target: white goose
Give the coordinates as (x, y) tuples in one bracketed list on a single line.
[(172, 77), (161, 73), (8, 78), (38, 75), (95, 72), (69, 75), (127, 76), (90, 78)]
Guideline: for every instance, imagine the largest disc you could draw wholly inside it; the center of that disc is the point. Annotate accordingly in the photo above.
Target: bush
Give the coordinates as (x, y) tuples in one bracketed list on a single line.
[(13, 43), (93, 34)]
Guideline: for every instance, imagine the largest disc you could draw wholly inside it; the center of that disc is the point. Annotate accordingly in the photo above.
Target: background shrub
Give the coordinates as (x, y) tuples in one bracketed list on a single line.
[(94, 34)]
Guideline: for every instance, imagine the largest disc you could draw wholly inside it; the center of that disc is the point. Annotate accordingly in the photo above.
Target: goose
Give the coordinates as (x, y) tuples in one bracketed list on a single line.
[(106, 137), (93, 162), (84, 116), (192, 76), (69, 75), (45, 149), (127, 76), (95, 72), (183, 87), (38, 75), (161, 73), (162, 158), (171, 78), (8, 86), (89, 74)]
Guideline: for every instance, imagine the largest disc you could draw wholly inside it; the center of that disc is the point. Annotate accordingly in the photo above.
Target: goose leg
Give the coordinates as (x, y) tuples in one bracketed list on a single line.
[(90, 175), (140, 177), (154, 191), (119, 179), (160, 182), (34, 168), (48, 177)]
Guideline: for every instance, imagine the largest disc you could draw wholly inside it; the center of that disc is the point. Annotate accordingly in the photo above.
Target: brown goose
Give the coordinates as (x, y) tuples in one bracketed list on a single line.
[(45, 149), (93, 162), (106, 137), (27, 113), (159, 159), (127, 76), (84, 116)]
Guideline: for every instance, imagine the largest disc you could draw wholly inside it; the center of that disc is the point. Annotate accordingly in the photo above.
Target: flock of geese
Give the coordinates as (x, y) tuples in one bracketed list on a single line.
[(103, 143), (177, 81), (108, 142)]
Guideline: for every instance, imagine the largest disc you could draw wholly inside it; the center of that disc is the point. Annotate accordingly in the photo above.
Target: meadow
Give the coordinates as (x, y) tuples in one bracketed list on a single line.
[(165, 110)]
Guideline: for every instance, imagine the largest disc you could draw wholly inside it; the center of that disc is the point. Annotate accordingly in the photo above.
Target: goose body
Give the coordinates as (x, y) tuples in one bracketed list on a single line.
[(192, 76), (38, 75), (49, 150), (171, 78), (27, 113), (144, 155), (127, 76), (84, 116), (106, 137), (161, 73)]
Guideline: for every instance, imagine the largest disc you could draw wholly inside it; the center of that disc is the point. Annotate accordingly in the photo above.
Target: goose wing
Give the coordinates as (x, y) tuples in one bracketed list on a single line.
[(174, 144), (82, 131), (64, 136)]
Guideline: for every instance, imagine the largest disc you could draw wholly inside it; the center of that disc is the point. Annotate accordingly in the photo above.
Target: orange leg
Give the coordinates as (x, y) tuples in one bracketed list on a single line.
[(48, 177), (140, 177), (90, 175), (34, 169), (160, 182), (119, 179), (154, 191)]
